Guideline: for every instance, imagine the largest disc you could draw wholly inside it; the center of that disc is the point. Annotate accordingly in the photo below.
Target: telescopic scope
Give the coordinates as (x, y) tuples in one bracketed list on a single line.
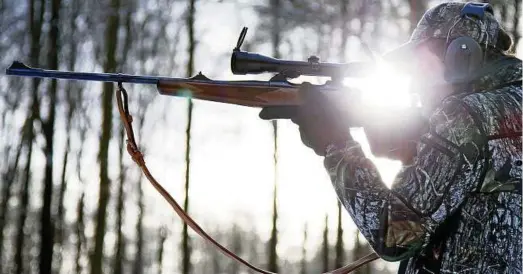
[(243, 62)]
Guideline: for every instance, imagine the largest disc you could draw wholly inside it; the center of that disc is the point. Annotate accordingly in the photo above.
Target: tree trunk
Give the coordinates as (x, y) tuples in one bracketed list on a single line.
[(138, 256), (275, 6), (273, 241), (338, 262), (36, 11), (344, 18), (356, 252), (515, 26), (325, 246), (79, 230), (217, 258), (71, 105), (119, 257), (191, 13), (60, 223), (162, 233), (47, 225), (9, 178), (186, 245), (236, 248), (120, 242), (303, 269), (359, 251), (111, 38), (24, 203)]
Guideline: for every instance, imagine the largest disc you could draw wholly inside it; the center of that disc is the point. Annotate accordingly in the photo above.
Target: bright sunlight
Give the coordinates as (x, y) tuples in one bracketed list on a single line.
[(386, 88)]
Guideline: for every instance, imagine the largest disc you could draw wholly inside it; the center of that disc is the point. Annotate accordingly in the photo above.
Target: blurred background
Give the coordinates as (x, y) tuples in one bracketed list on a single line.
[(72, 200)]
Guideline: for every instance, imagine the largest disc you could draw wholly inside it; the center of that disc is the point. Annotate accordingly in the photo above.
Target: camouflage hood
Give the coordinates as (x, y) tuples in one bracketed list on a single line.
[(445, 21)]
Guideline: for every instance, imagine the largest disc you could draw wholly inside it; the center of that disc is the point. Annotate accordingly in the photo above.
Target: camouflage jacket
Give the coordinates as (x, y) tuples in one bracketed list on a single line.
[(457, 208)]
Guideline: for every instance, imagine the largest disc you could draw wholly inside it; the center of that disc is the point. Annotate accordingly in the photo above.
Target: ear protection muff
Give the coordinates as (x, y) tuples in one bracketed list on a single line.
[(464, 56)]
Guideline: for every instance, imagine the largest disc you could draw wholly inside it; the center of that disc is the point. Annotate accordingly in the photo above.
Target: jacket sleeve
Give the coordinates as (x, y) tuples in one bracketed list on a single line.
[(400, 221)]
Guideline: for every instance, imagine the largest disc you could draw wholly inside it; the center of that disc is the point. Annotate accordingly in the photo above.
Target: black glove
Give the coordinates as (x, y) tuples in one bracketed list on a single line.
[(321, 118), (395, 136)]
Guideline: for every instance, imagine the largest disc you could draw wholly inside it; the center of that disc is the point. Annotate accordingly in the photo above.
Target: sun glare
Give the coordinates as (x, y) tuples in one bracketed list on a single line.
[(386, 87)]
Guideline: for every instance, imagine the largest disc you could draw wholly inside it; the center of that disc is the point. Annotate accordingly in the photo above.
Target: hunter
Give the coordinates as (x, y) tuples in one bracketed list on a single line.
[(455, 206)]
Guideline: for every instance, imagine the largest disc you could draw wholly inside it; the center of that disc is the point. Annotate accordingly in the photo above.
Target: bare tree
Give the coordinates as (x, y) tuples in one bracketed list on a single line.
[(237, 239), (73, 96), (516, 33), (48, 128), (119, 256), (359, 251), (340, 254), (9, 178), (186, 245), (36, 11), (303, 269), (79, 231), (162, 235), (24, 203), (216, 257), (325, 245), (35, 19), (138, 256), (111, 38), (138, 264), (120, 241), (275, 8), (273, 241), (344, 18)]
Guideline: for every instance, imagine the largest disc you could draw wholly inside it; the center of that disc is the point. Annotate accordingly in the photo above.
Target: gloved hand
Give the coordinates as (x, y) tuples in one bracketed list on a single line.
[(395, 138), (322, 120)]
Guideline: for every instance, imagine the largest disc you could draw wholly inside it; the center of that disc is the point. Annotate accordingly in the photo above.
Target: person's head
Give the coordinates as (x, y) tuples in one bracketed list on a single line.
[(431, 56)]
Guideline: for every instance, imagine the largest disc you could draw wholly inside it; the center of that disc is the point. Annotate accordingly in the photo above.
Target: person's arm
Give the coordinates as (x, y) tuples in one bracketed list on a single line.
[(400, 221)]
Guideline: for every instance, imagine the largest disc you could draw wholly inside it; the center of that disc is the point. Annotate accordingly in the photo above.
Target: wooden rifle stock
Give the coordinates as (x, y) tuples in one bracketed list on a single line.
[(244, 93)]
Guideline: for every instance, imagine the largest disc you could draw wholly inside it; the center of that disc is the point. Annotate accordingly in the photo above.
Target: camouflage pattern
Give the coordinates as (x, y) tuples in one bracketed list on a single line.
[(457, 208), (445, 21)]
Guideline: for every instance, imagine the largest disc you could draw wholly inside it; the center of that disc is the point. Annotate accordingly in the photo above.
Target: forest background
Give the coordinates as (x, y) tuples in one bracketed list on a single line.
[(72, 201)]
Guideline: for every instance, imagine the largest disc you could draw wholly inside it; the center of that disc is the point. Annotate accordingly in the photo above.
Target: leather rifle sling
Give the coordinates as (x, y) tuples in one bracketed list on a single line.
[(137, 156)]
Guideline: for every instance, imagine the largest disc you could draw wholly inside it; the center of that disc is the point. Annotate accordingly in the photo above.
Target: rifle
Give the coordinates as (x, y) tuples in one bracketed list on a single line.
[(278, 91)]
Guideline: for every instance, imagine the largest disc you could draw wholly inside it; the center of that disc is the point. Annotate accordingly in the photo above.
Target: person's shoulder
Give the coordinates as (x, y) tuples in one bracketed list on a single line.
[(495, 107), (508, 95), (456, 121)]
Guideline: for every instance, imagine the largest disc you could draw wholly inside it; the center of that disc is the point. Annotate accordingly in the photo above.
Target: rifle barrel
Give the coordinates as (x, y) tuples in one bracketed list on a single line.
[(20, 69)]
